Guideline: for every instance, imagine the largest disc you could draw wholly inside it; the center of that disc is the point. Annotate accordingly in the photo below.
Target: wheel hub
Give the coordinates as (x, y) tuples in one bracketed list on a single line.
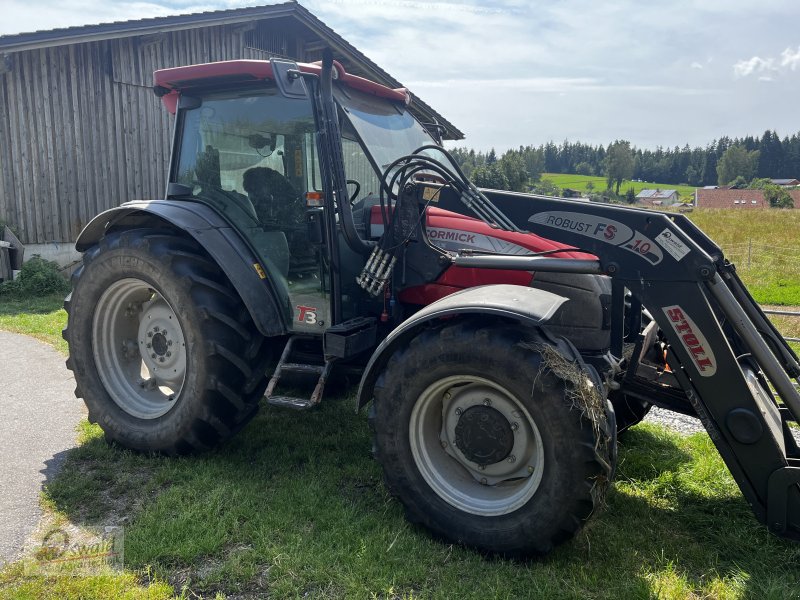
[(476, 445), (160, 344), (484, 435)]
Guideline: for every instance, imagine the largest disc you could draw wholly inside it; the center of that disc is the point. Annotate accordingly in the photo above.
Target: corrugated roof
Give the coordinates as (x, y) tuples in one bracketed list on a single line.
[(655, 194), (87, 33)]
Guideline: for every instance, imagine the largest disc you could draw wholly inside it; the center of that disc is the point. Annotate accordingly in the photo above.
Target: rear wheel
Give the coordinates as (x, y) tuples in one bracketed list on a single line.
[(493, 438), (163, 351)]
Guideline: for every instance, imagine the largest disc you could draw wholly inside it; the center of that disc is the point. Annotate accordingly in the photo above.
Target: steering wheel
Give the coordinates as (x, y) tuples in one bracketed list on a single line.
[(355, 194)]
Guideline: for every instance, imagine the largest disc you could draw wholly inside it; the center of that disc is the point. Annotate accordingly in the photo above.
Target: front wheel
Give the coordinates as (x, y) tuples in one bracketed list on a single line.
[(494, 438), (163, 351)]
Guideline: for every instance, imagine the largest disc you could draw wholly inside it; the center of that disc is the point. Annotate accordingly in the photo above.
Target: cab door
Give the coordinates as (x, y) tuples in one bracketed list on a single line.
[(250, 154)]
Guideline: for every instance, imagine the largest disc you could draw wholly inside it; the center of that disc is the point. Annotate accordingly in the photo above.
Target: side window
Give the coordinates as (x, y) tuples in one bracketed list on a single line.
[(358, 168), (248, 155)]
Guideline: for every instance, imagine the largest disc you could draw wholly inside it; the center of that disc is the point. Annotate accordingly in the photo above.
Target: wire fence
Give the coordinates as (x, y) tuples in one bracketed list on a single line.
[(767, 266), (784, 313), (761, 263)]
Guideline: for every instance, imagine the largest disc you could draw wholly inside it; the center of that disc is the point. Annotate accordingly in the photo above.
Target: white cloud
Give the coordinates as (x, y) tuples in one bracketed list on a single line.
[(790, 59), (696, 65), (743, 68)]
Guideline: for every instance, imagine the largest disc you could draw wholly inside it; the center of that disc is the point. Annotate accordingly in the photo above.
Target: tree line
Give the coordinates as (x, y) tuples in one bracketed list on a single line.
[(719, 163)]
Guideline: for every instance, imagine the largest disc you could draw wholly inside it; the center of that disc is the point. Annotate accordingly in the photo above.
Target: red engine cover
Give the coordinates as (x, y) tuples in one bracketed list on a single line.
[(452, 231)]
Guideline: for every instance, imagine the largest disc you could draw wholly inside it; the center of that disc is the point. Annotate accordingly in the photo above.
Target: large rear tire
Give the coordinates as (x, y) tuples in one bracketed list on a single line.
[(493, 437), (164, 353)]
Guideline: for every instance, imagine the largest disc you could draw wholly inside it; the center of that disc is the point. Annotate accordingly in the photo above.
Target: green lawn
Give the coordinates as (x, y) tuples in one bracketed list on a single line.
[(42, 318), (764, 245), (294, 506), (578, 182)]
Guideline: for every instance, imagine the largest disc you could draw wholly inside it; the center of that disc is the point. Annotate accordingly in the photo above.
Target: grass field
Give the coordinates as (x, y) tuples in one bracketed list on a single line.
[(578, 182), (294, 507), (764, 245), (42, 318)]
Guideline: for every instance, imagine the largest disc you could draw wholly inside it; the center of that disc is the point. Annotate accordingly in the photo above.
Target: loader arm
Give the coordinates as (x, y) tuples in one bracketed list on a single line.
[(731, 363)]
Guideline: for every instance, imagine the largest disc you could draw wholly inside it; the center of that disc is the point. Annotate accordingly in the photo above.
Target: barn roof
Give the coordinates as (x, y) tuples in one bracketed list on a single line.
[(721, 198), (140, 27)]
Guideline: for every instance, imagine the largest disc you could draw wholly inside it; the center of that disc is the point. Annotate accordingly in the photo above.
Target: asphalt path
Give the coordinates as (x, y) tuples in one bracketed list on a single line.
[(38, 418)]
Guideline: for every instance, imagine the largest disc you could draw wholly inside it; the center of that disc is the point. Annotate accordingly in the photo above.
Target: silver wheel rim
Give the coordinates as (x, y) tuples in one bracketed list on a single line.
[(486, 490), (139, 348)]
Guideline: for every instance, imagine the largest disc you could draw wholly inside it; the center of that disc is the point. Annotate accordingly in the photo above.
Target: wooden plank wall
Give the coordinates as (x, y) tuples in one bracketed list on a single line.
[(81, 131)]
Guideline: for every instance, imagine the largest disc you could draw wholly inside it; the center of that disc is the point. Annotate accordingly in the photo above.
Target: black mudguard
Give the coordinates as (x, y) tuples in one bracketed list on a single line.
[(216, 236), (524, 305)]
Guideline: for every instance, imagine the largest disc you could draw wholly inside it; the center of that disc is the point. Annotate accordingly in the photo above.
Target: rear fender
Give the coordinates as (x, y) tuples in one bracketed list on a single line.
[(215, 235), (517, 304)]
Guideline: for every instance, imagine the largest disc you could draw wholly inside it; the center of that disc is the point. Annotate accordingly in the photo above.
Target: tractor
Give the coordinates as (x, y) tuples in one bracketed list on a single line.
[(312, 227)]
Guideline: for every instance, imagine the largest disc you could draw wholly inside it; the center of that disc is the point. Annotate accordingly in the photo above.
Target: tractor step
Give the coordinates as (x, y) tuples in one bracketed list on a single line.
[(303, 368), (285, 365), (290, 402)]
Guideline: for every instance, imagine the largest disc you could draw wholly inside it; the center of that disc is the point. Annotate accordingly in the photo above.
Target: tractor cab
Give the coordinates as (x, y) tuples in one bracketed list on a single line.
[(250, 151)]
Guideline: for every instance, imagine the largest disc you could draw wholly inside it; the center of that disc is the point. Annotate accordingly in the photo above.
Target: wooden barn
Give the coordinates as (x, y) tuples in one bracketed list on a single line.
[(81, 130)]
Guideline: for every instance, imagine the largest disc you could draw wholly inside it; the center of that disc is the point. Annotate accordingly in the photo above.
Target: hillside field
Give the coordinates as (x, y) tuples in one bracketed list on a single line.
[(578, 182)]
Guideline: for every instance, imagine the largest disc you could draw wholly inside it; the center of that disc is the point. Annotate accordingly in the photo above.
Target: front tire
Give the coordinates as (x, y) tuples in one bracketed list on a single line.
[(163, 351), (492, 437)]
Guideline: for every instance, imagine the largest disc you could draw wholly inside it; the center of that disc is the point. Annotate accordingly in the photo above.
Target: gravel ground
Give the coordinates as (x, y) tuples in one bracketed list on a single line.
[(683, 423), (677, 422)]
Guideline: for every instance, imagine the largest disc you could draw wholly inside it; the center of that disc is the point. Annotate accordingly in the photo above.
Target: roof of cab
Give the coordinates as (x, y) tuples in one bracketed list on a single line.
[(172, 81)]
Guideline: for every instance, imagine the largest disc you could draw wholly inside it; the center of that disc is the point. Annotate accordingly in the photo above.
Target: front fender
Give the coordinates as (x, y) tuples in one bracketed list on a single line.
[(524, 305), (215, 235)]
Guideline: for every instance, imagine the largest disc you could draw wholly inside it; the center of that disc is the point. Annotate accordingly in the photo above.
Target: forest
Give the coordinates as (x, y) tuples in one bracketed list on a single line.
[(767, 156)]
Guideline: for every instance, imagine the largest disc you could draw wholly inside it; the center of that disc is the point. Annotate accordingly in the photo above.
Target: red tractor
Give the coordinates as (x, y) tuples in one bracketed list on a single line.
[(502, 339)]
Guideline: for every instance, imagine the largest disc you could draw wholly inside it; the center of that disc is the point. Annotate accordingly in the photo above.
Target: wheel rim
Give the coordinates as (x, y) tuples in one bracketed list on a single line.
[(139, 348), (462, 421)]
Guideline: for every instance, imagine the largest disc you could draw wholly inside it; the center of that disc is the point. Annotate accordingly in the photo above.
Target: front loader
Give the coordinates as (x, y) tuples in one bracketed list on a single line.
[(502, 340)]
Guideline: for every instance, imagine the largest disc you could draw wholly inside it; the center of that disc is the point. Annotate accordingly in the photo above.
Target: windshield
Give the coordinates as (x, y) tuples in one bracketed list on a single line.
[(387, 130)]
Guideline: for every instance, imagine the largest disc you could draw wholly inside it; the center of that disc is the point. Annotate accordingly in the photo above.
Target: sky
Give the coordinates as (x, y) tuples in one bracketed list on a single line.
[(517, 72)]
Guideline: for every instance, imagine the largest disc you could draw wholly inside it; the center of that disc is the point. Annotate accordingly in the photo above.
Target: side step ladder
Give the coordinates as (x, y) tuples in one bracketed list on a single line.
[(286, 365)]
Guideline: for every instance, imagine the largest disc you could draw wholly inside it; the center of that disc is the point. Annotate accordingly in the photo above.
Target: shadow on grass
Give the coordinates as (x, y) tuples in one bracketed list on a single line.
[(11, 304), (294, 505)]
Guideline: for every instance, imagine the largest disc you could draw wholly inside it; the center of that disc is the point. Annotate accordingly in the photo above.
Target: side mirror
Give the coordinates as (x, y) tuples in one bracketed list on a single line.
[(315, 224)]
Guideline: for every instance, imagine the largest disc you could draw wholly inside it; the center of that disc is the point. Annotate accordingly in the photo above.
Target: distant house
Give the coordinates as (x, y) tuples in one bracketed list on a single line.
[(657, 197), (738, 199), (786, 182)]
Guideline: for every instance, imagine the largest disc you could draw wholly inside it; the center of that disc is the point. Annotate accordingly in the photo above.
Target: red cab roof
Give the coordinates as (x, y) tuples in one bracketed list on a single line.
[(239, 71)]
